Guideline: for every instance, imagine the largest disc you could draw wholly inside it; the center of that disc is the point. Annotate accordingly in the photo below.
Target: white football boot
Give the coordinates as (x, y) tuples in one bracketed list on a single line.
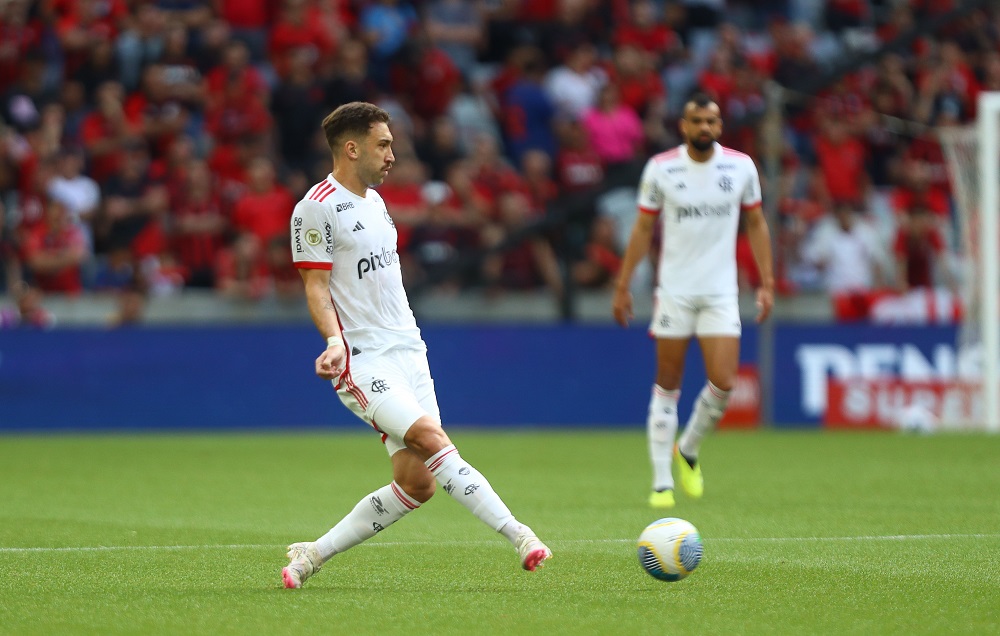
[(304, 561), (531, 550)]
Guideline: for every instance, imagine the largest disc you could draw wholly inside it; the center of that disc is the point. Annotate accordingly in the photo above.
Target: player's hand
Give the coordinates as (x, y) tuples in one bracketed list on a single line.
[(765, 300), (330, 364), (621, 307)]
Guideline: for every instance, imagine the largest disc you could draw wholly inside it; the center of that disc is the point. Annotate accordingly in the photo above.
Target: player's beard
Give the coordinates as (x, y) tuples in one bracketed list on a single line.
[(376, 177), (702, 143)]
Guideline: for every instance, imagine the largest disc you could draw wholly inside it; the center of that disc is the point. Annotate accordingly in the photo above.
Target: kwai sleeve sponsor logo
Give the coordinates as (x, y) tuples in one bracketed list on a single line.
[(650, 192), (297, 234), (311, 236)]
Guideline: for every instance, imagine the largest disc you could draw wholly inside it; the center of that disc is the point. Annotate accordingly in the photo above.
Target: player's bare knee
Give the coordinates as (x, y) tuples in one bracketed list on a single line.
[(426, 437), (668, 381), (668, 376), (724, 383), (420, 486)]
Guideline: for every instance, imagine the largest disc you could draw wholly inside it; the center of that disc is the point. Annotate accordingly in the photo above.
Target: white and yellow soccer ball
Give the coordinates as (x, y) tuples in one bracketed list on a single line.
[(670, 549)]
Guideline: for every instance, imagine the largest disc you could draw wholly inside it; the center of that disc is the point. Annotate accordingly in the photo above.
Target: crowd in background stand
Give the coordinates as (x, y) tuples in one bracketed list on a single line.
[(151, 146)]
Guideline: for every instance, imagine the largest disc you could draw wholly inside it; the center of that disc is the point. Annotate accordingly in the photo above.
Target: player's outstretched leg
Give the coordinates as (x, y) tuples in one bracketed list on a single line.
[(661, 430), (471, 489), (708, 410), (376, 512)]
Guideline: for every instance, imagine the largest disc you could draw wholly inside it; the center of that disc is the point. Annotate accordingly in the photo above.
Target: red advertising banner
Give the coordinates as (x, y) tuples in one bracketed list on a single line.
[(743, 411), (891, 403)]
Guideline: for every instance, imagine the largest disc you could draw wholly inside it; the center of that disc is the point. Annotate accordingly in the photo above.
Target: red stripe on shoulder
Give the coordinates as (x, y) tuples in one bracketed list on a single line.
[(670, 154), (323, 188), (730, 151), (311, 195), (326, 194), (313, 265)]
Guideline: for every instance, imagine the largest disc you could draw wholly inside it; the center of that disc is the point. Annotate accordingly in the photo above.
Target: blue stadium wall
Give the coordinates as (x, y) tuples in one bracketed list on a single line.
[(262, 377)]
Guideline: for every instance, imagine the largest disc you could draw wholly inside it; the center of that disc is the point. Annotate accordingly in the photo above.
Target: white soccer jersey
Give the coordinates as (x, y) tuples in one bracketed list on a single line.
[(355, 238), (699, 205)]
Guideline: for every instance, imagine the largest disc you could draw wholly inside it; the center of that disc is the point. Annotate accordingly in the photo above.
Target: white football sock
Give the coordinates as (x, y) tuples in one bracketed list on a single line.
[(708, 410), (374, 513), (468, 486), (661, 429)]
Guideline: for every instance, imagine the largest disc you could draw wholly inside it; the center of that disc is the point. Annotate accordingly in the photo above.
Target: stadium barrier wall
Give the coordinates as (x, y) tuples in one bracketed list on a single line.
[(261, 377)]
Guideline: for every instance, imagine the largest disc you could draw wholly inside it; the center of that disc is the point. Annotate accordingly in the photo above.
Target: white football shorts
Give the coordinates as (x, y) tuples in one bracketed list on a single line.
[(685, 316), (390, 391)]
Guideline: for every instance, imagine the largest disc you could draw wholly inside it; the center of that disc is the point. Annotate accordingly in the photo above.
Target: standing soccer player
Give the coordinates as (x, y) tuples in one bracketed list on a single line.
[(696, 191), (344, 246)]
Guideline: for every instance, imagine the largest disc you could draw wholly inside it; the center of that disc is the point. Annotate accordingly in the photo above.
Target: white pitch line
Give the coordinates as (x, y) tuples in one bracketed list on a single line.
[(261, 546), (884, 537), (107, 548)]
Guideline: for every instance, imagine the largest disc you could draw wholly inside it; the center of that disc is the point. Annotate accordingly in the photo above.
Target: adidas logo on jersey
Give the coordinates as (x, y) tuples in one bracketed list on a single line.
[(358, 226)]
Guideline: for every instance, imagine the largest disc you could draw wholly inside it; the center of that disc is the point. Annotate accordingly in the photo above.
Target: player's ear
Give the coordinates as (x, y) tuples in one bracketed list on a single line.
[(351, 149)]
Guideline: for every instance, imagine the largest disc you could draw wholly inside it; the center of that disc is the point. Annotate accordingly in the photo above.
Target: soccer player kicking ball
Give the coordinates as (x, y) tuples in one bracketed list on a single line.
[(344, 246), (696, 192)]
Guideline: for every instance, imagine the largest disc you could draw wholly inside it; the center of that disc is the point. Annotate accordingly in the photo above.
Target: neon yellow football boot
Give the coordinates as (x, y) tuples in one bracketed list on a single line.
[(661, 499), (690, 478)]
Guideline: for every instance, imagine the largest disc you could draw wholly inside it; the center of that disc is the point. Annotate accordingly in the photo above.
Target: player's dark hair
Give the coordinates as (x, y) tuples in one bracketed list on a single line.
[(354, 119), (700, 99)]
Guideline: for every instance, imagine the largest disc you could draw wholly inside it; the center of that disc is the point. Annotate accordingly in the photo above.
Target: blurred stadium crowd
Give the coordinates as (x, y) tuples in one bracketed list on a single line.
[(148, 146)]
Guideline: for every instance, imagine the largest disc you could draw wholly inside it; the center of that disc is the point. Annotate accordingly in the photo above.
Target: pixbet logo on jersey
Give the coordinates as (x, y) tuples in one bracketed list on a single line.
[(703, 210), (385, 258)]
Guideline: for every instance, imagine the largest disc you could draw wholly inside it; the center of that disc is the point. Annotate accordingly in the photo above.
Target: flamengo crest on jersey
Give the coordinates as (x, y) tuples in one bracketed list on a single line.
[(355, 239), (699, 206)]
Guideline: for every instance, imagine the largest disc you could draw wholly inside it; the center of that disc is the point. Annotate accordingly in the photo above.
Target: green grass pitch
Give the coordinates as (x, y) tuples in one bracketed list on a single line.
[(804, 533)]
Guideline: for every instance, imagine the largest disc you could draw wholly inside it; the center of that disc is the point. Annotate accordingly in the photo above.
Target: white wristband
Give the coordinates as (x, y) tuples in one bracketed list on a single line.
[(333, 341)]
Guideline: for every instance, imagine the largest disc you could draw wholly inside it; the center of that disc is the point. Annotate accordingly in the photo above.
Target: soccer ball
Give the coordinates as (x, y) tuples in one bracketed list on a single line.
[(916, 418), (670, 549)]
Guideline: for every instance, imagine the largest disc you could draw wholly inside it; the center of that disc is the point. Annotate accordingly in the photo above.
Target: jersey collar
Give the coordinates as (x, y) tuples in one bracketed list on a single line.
[(340, 186), (716, 153)]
